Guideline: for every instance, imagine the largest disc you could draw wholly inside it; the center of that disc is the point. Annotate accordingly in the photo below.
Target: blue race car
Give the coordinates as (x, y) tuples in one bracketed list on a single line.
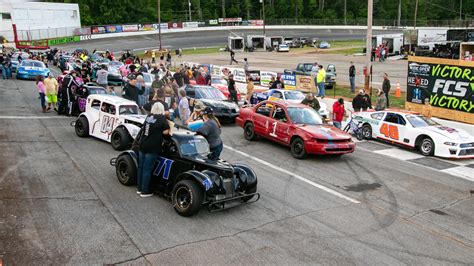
[(15, 58), (29, 69)]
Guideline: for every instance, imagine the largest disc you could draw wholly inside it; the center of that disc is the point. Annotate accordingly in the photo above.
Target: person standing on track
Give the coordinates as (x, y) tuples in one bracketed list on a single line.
[(51, 91), (41, 90), (150, 142), (338, 113), (386, 87), (232, 57), (102, 74), (211, 130), (352, 72), (232, 90), (67, 95), (321, 77)]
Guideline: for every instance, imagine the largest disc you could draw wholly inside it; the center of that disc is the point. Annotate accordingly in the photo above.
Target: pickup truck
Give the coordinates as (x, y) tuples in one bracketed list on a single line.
[(305, 69)]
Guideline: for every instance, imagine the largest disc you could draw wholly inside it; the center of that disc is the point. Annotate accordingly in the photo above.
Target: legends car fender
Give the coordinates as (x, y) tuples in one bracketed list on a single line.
[(246, 175), (201, 178), (131, 129)]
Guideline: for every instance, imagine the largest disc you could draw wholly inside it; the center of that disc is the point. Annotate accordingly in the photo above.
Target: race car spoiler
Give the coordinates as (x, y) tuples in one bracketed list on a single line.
[(220, 205)]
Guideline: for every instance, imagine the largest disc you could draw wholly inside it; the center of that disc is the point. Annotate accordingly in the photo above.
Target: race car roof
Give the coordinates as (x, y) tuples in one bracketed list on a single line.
[(116, 100)]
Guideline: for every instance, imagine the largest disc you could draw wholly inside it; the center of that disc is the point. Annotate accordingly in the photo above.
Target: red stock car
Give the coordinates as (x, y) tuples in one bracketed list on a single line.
[(295, 125)]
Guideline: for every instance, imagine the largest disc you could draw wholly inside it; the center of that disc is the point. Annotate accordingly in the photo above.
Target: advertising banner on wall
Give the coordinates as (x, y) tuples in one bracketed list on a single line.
[(239, 75), (164, 26), (175, 25), (213, 22), (229, 20), (63, 40), (98, 29), (129, 28), (256, 22), (113, 28), (289, 81), (266, 77), (192, 24), (254, 76), (305, 83), (216, 70), (82, 31), (443, 85), (145, 27)]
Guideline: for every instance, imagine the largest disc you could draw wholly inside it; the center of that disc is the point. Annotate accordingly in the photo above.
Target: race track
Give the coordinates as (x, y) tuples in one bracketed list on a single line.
[(208, 39), (61, 203)]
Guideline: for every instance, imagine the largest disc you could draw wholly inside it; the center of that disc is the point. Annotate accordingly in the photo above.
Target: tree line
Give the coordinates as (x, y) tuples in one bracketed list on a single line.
[(96, 12)]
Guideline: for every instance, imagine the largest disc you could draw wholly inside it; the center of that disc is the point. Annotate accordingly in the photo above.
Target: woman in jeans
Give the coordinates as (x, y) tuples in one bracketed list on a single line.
[(42, 90), (211, 130), (150, 142)]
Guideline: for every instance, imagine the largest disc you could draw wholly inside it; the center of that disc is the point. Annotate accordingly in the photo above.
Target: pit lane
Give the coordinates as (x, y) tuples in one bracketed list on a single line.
[(60, 202)]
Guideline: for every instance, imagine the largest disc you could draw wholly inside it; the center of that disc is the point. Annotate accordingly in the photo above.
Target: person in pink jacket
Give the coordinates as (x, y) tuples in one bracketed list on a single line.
[(41, 90)]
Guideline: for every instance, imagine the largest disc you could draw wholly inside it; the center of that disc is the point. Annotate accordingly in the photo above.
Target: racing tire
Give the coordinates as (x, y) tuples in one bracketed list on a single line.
[(249, 191), (82, 127), (187, 198), (126, 170), (120, 139), (297, 149), (366, 132), (427, 147), (249, 132)]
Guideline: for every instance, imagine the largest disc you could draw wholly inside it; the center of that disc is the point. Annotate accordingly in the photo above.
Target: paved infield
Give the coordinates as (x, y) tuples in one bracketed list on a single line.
[(60, 202)]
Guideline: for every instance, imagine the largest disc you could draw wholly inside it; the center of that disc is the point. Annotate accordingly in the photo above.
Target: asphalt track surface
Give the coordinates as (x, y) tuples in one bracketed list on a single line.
[(60, 202), (177, 40)]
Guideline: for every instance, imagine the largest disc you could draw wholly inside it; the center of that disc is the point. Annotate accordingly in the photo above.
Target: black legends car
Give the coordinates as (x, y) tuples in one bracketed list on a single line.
[(185, 175)]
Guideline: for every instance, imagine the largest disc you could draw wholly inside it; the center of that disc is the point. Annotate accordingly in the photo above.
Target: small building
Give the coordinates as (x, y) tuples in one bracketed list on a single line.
[(38, 20)]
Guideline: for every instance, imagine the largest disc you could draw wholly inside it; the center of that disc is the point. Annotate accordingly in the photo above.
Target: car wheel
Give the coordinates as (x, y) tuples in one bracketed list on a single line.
[(366, 131), (187, 198), (126, 170), (249, 191), (297, 149), (82, 127), (249, 132), (427, 147), (120, 139)]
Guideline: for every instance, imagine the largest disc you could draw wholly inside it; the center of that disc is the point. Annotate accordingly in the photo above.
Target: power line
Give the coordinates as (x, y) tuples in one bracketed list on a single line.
[(447, 9)]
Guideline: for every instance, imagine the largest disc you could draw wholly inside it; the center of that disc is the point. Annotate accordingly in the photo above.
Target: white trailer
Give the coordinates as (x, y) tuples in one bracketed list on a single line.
[(393, 41), (273, 42), (236, 43), (256, 42)]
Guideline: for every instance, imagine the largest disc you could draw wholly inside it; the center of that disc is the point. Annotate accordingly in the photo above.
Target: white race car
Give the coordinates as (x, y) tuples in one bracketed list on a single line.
[(415, 131), (110, 118)]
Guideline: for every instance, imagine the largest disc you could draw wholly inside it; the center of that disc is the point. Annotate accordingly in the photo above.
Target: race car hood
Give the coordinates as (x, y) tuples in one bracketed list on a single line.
[(219, 104), (325, 132), (219, 165), (135, 118), (456, 135)]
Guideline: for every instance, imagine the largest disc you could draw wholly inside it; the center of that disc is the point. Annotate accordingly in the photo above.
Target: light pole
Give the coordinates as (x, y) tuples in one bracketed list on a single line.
[(189, 3), (400, 12), (263, 11), (460, 11), (159, 22), (368, 44)]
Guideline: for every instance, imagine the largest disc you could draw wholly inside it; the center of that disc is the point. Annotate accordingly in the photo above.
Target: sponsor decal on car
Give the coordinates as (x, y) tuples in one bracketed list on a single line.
[(165, 166)]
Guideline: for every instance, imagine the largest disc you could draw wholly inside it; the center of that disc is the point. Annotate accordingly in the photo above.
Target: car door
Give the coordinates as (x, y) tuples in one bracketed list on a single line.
[(93, 116), (260, 119), (106, 120), (394, 128), (278, 125)]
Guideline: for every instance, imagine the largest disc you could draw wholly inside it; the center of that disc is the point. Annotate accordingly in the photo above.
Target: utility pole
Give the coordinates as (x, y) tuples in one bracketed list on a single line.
[(263, 11), (460, 11), (345, 12), (400, 12), (159, 22), (416, 13), (189, 4), (223, 8), (368, 45)]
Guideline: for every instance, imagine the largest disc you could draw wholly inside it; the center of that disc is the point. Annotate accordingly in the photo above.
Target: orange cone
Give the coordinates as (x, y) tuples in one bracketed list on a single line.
[(398, 92)]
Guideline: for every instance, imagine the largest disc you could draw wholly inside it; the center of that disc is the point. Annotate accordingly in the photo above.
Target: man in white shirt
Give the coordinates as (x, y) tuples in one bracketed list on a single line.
[(102, 74)]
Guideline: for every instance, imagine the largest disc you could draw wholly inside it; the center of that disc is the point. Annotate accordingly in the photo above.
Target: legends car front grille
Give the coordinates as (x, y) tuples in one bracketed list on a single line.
[(466, 152), (467, 145)]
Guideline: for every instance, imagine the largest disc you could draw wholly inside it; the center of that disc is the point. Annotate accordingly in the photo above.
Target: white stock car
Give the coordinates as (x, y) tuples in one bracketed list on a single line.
[(415, 131), (110, 118)]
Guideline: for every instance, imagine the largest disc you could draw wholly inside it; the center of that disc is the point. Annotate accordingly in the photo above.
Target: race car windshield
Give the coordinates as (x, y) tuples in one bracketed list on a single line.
[(420, 121), (304, 116), (32, 64), (209, 93), (219, 81), (128, 110), (294, 95), (194, 147)]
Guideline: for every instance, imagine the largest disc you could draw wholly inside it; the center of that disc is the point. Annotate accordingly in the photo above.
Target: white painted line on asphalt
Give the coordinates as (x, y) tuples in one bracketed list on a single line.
[(400, 154), (462, 172), (32, 117), (314, 184)]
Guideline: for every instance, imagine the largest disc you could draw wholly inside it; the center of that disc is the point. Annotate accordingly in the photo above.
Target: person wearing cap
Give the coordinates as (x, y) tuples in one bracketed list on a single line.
[(361, 102), (196, 114), (381, 103), (211, 130), (51, 91), (131, 90)]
